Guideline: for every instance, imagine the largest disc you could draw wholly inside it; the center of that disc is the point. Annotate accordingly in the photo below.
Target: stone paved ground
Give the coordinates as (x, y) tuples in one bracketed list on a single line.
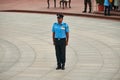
[(27, 53)]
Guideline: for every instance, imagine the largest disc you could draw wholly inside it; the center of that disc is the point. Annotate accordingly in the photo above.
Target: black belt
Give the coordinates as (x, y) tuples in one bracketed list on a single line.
[(60, 38)]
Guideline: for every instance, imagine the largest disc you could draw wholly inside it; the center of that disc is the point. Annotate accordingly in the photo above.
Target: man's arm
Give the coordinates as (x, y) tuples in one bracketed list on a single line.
[(67, 38), (53, 36)]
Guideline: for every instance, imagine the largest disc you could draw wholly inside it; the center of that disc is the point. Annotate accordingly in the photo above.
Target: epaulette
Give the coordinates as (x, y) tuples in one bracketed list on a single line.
[(55, 23)]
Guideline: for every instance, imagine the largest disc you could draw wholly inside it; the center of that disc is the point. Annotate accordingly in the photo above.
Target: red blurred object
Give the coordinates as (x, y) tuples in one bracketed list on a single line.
[(100, 7)]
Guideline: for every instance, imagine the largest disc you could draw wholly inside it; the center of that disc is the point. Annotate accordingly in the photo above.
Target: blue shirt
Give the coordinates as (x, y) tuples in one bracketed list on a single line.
[(60, 30), (106, 3)]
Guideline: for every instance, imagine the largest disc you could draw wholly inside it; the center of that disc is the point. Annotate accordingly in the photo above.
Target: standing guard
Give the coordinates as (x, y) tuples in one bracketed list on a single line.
[(85, 6), (48, 2), (60, 37)]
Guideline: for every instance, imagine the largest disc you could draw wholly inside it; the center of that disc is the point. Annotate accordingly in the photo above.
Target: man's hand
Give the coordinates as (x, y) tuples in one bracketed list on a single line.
[(66, 43)]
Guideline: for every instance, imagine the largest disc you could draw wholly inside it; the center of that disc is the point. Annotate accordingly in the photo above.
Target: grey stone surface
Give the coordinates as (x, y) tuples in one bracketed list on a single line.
[(27, 51)]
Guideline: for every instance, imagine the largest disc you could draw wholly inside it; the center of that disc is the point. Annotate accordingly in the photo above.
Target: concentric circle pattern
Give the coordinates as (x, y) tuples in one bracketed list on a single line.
[(27, 51), (13, 55)]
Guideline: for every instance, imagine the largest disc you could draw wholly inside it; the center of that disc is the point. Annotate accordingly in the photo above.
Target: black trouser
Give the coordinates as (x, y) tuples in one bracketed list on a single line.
[(60, 48), (48, 1), (107, 10), (89, 3)]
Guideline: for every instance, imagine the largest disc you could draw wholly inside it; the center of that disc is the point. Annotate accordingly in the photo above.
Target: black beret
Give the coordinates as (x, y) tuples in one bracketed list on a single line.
[(59, 15)]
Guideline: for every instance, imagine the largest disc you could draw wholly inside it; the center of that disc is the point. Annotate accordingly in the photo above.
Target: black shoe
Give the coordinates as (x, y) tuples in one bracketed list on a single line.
[(109, 15), (63, 68), (58, 68), (84, 11)]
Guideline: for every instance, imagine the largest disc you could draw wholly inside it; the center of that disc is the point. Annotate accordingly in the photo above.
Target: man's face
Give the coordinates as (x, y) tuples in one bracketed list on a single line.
[(60, 20)]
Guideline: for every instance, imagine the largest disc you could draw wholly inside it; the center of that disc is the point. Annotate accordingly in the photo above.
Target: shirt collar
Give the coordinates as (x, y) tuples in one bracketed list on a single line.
[(61, 23)]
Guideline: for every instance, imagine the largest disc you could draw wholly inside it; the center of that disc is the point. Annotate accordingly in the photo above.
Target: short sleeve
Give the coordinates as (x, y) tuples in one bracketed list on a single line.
[(53, 30), (67, 28)]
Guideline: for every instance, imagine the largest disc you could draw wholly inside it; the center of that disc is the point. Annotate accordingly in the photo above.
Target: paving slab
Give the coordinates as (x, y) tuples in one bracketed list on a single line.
[(27, 51)]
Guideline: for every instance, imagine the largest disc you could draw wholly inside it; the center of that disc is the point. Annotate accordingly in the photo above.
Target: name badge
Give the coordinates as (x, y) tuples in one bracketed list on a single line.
[(62, 28)]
